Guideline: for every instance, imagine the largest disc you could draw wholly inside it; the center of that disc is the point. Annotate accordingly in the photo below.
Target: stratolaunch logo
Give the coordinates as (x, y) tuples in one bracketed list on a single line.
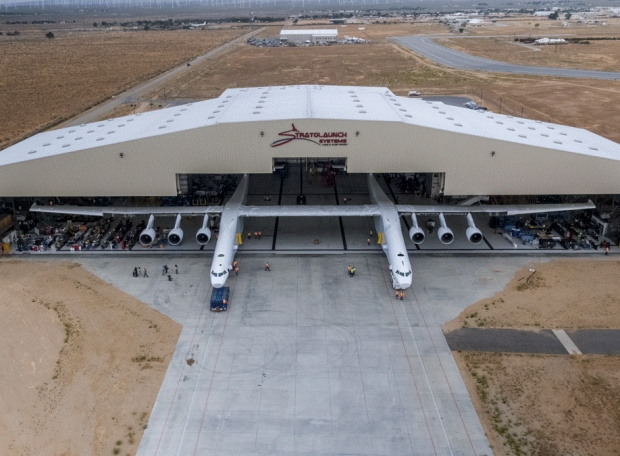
[(328, 138)]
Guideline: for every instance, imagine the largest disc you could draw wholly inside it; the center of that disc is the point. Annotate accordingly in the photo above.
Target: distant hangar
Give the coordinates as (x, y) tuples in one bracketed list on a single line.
[(304, 36), (369, 129)]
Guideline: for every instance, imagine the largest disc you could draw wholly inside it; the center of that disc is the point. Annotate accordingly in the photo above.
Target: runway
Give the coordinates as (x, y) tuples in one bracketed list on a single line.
[(425, 46)]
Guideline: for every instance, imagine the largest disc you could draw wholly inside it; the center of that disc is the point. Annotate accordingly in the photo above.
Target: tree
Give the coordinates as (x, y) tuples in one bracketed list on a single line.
[(49, 35), (567, 16), (146, 27), (553, 16), (94, 24)]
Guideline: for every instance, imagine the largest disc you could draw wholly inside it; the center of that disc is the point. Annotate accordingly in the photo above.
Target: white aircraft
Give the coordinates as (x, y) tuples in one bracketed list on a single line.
[(198, 25), (386, 217)]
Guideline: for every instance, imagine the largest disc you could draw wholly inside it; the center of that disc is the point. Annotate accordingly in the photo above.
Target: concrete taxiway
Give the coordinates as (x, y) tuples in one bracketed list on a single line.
[(310, 361), (427, 47)]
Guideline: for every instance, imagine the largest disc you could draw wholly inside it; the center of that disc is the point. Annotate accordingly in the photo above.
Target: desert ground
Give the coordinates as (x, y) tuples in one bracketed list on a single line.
[(548, 404), (602, 55), (46, 81), (573, 102), (82, 362), (74, 71)]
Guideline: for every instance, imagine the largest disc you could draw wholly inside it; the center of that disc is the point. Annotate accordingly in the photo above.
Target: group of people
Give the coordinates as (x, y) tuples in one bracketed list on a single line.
[(164, 271), (137, 272), (235, 266), (257, 234), (399, 293)]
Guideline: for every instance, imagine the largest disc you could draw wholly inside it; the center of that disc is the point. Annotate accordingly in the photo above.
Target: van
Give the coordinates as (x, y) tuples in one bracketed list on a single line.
[(414, 93)]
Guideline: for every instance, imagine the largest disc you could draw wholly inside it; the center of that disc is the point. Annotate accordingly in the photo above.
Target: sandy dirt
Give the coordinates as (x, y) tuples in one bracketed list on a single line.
[(82, 362), (548, 404), (545, 405), (566, 294), (46, 81), (598, 55)]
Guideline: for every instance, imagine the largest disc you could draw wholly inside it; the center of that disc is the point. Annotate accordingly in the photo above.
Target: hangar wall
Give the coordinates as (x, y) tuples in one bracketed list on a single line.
[(149, 165)]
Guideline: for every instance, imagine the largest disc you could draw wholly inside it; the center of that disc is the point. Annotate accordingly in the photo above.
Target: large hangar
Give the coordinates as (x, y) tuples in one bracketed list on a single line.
[(369, 129)]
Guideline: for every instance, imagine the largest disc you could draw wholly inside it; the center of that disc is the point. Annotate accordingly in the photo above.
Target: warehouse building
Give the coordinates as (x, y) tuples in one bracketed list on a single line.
[(304, 36), (363, 129)]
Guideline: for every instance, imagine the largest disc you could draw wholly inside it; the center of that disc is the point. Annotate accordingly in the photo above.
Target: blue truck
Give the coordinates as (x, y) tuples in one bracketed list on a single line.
[(219, 299)]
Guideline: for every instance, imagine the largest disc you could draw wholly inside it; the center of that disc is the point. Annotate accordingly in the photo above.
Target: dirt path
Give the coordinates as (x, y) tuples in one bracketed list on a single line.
[(82, 362)]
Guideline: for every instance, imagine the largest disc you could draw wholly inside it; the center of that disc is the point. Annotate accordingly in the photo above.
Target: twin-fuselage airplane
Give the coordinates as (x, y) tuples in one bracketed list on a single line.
[(385, 213)]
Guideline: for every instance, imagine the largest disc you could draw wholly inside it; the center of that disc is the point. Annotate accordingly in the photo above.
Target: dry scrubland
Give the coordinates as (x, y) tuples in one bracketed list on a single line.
[(601, 55), (46, 81), (75, 71), (548, 404), (82, 362), (573, 102)]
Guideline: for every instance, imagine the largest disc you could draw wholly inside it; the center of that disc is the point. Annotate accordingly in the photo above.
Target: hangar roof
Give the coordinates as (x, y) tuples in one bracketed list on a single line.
[(311, 102), (330, 32)]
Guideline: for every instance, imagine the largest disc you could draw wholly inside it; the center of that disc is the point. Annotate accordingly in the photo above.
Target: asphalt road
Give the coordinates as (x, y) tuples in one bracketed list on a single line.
[(425, 46), (589, 341), (139, 91)]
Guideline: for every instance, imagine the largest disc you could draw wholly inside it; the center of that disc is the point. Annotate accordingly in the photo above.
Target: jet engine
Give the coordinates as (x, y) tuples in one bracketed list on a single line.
[(175, 236), (473, 234), (204, 234), (147, 236), (445, 234), (416, 233)]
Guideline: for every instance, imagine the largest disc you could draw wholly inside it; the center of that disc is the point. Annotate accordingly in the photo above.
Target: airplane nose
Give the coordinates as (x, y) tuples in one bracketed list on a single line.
[(404, 283), (217, 283)]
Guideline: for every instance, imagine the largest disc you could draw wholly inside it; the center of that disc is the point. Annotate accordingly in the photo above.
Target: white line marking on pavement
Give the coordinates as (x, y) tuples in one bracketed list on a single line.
[(569, 345)]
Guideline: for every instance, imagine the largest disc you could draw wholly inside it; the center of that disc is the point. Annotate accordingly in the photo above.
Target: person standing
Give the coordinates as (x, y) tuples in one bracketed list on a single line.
[(135, 271), (349, 270), (163, 270), (176, 269), (368, 240), (402, 295), (139, 271), (259, 234), (344, 200), (370, 233), (267, 267), (607, 250), (235, 263), (249, 235), (396, 294), (237, 271), (145, 274)]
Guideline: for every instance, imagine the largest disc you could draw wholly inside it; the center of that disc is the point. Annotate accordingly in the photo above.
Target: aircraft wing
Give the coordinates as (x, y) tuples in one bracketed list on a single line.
[(310, 211), (100, 211), (499, 209)]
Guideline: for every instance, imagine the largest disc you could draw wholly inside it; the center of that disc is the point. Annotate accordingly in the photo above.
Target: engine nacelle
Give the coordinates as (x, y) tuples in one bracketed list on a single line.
[(203, 236), (175, 236), (147, 236), (416, 233), (204, 233), (474, 235), (445, 234)]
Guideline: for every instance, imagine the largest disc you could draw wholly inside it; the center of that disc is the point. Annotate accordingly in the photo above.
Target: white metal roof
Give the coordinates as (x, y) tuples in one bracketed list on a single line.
[(311, 102), (329, 32)]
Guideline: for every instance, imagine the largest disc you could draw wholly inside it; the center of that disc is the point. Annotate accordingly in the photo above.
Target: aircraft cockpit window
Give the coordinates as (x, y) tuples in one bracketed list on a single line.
[(407, 274), (217, 274)]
